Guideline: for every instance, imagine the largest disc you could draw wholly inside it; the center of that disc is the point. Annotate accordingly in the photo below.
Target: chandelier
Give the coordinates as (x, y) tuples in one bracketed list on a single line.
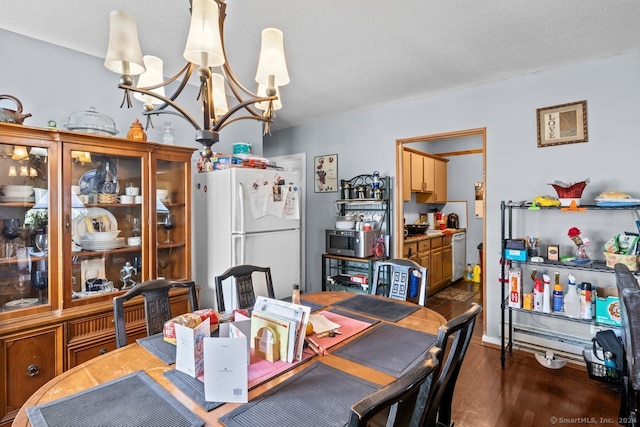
[(205, 52)]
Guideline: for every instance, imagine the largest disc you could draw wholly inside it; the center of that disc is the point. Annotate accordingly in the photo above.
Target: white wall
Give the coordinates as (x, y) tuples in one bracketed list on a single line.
[(516, 168), (53, 82)]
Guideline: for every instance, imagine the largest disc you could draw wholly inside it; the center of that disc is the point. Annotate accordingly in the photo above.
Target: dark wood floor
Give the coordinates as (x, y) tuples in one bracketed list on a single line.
[(525, 393)]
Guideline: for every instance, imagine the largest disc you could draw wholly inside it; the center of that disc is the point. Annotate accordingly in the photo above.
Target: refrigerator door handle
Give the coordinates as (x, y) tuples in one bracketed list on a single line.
[(238, 211), (238, 251)]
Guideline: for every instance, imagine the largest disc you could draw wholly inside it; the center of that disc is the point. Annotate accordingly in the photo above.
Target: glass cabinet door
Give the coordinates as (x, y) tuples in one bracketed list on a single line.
[(106, 207), (24, 212), (173, 217)]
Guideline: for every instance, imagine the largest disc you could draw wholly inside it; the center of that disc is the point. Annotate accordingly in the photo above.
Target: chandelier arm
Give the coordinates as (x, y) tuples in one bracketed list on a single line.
[(167, 101), (232, 81), (222, 122), (207, 100)]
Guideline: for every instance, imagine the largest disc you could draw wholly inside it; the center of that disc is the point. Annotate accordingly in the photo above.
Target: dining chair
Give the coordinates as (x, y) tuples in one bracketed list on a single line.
[(459, 330), (401, 279), (400, 399), (157, 309), (245, 293)]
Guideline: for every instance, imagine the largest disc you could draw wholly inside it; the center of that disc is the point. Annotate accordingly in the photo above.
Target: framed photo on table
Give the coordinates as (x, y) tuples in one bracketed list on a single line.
[(325, 173), (562, 124)]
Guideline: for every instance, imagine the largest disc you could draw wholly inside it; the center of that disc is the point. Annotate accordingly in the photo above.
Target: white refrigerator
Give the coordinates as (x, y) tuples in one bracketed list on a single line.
[(247, 216)]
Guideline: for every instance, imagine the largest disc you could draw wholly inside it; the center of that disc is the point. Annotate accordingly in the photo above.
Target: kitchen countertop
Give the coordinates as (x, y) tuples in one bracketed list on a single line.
[(432, 234)]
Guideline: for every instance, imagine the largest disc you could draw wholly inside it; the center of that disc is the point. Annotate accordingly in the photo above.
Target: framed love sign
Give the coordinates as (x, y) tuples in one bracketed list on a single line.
[(562, 124)]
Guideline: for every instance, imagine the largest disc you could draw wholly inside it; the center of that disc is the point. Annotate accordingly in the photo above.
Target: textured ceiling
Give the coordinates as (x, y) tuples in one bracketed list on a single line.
[(350, 55)]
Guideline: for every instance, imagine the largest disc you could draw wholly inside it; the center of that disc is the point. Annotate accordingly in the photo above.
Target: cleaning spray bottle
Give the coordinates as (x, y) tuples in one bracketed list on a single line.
[(572, 299), (537, 295), (546, 294), (558, 296)]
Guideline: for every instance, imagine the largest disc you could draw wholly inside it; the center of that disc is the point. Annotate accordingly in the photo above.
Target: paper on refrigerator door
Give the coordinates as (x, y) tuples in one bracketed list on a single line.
[(258, 195)]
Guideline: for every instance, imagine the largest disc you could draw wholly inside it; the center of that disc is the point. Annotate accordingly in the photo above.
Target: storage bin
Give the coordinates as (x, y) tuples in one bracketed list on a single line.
[(597, 370), (631, 261)]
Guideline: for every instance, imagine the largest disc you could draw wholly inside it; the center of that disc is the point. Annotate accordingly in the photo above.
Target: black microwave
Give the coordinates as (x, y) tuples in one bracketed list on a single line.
[(355, 243)]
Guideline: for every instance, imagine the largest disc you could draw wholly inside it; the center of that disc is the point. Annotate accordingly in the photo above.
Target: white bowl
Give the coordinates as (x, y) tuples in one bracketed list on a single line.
[(549, 360), (102, 236), (345, 225), (26, 192), (163, 195)]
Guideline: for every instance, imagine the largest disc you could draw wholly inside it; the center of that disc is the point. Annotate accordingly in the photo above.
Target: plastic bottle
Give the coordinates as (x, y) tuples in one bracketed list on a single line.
[(537, 295), (610, 364), (572, 299), (558, 296), (585, 301), (468, 273), (477, 277), (546, 294), (295, 297)]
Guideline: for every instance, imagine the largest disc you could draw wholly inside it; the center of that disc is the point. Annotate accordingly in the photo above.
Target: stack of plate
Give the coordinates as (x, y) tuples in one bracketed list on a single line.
[(96, 245), (17, 193)]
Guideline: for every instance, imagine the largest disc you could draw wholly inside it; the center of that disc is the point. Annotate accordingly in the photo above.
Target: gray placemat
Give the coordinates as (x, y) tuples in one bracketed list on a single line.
[(312, 305), (192, 387), (133, 400), (388, 348), (157, 346), (319, 395), (353, 315), (382, 308)]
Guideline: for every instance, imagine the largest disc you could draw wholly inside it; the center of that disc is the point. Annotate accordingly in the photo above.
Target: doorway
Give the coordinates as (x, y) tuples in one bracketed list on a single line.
[(458, 147)]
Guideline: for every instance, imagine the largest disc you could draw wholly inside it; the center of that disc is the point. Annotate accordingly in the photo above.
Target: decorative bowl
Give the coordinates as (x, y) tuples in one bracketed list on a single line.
[(102, 236)]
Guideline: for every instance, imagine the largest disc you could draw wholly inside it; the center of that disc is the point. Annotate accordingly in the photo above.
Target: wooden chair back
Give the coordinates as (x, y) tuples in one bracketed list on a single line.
[(157, 308), (402, 398), (458, 332), (245, 293), (393, 278)]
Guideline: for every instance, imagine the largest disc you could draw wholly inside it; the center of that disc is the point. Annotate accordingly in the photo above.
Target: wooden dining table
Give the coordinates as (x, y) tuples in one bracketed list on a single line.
[(134, 357)]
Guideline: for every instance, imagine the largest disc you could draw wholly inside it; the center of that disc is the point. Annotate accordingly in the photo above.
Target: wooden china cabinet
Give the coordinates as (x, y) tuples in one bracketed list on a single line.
[(56, 302)]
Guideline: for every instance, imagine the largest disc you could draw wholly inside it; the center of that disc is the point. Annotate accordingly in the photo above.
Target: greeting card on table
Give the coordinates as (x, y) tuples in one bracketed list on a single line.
[(190, 349), (226, 370)]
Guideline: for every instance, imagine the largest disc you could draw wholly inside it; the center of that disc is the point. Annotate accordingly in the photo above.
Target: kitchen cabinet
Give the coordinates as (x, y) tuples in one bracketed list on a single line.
[(539, 331), (435, 253), (53, 314), (406, 176), (427, 177), (440, 181)]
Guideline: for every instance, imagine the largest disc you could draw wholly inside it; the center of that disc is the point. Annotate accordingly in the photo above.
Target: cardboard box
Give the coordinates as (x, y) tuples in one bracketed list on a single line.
[(515, 288), (607, 306), (515, 254)]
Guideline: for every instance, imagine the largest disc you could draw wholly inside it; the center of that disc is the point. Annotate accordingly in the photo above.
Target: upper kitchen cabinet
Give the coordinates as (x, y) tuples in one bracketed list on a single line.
[(426, 175)]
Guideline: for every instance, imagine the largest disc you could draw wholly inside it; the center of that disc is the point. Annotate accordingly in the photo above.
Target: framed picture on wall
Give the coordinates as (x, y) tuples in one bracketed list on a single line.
[(325, 173), (562, 124)]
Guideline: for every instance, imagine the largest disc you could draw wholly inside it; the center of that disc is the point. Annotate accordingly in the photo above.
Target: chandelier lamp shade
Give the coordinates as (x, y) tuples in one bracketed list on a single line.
[(204, 52)]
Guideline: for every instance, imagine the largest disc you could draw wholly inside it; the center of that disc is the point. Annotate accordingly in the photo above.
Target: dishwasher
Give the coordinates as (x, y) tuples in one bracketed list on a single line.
[(459, 250)]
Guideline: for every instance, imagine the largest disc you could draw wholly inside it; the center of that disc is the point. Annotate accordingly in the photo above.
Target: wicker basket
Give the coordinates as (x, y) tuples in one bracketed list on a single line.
[(631, 261), (572, 192)]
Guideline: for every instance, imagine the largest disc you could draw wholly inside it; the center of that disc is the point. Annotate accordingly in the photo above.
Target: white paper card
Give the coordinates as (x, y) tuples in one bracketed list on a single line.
[(237, 329), (322, 324), (189, 348), (226, 370)]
